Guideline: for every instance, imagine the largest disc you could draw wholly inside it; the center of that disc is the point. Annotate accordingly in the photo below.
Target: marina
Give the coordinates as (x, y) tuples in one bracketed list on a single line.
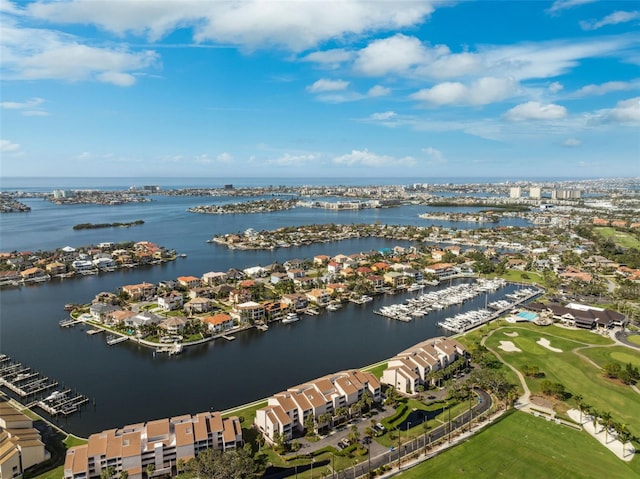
[(468, 320), (440, 299), (31, 386)]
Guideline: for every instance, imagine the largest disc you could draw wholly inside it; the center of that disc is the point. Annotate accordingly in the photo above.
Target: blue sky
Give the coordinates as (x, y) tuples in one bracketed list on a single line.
[(342, 88)]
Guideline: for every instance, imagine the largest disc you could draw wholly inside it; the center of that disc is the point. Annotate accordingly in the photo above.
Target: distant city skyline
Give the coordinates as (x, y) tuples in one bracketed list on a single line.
[(353, 88)]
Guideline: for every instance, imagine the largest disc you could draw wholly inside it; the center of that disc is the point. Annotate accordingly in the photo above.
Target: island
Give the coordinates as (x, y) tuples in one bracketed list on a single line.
[(89, 226), (258, 206)]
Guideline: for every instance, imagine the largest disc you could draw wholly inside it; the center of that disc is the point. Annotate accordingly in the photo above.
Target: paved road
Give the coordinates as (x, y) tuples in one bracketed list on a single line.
[(380, 456)]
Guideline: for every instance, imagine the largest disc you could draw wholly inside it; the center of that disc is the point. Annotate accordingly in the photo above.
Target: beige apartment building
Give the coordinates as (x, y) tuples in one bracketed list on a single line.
[(155, 445), (20, 444), (411, 368), (286, 412)]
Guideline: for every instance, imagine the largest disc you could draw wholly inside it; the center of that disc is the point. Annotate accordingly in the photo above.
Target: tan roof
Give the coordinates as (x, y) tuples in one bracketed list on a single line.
[(131, 444), (200, 426), (301, 400), (158, 428), (324, 386), (97, 444), (114, 445), (215, 422), (347, 385), (79, 459), (184, 434), (282, 416), (285, 402), (314, 397), (229, 433)]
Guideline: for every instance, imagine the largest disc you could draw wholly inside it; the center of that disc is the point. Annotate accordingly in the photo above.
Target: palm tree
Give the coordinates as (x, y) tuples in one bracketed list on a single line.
[(606, 421), (579, 398)]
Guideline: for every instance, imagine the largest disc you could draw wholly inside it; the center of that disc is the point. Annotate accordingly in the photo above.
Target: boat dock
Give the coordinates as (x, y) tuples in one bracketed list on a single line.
[(31, 385), (115, 339), (227, 337), (465, 321), (67, 323), (91, 332)]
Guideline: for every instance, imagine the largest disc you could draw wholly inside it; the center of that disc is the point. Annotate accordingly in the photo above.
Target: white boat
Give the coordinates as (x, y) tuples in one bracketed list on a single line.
[(291, 318), (333, 306), (365, 299)]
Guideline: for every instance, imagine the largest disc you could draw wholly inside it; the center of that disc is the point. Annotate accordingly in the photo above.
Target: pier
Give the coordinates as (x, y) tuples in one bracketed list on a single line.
[(31, 385), (227, 337), (113, 339)]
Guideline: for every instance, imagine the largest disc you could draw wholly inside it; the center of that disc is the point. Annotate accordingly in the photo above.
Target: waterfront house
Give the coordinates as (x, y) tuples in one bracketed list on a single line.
[(250, 312), (83, 266), (198, 305), (20, 443), (336, 288), (376, 281), (395, 279), (273, 310), (575, 274), (318, 296), (157, 445), (118, 316), (140, 292), (218, 323), (254, 271), (295, 301), (56, 268), (33, 275), (10, 277), (440, 270), (104, 263), (100, 311), (170, 301), (189, 282), (142, 319), (174, 324)]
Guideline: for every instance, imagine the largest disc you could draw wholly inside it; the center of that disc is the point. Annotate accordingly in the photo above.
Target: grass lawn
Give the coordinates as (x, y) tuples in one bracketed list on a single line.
[(524, 446), (618, 354), (575, 373), (634, 338), (620, 238), (377, 369), (521, 277)]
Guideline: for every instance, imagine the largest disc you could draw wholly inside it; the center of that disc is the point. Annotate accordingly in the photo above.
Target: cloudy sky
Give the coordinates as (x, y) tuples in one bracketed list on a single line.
[(331, 88)]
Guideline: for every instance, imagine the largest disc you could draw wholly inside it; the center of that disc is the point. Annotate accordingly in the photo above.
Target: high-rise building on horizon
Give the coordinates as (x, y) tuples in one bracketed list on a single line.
[(515, 192), (535, 192)]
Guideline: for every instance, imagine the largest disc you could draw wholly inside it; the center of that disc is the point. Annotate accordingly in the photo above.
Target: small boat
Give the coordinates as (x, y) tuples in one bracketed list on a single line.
[(291, 318), (334, 306), (183, 255)]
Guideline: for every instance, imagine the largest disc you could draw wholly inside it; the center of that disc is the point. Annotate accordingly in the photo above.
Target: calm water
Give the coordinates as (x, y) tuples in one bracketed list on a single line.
[(128, 383)]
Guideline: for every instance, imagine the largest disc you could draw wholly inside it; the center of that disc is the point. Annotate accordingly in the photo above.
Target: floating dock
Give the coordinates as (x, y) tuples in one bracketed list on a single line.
[(31, 385)]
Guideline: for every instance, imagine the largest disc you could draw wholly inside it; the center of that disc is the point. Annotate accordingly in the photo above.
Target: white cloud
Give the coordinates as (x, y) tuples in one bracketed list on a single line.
[(35, 113), (533, 110), (330, 58), (36, 54), (396, 54), (555, 87), (560, 5), (604, 88), (612, 19), (625, 111), (7, 146), (378, 90), (224, 157), (571, 142), (480, 92), (324, 85), (117, 78), (85, 155), (386, 115), (294, 160), (435, 156), (249, 23), (15, 105), (366, 158)]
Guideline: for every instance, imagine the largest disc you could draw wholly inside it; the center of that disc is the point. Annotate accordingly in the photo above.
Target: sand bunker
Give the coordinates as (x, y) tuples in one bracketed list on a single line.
[(544, 342), (509, 347), (512, 334)]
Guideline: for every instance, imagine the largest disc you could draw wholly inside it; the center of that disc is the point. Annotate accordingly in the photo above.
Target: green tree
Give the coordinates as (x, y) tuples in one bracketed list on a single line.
[(107, 473)]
